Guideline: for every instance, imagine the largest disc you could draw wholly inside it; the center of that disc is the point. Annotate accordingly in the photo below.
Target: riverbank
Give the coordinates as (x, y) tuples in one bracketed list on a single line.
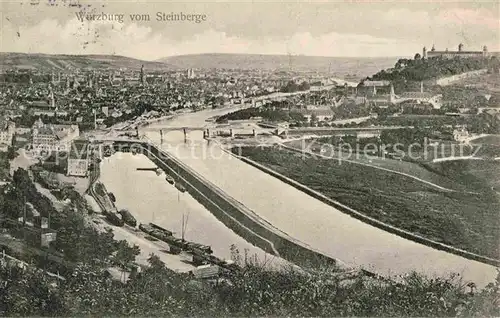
[(400, 205), (132, 236)]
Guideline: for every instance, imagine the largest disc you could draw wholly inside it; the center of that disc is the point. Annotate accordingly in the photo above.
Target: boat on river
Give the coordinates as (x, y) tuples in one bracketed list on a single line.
[(128, 218), (169, 179)]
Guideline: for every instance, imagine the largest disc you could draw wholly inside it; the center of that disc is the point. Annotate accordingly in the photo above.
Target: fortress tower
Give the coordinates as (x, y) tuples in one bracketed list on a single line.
[(51, 96), (461, 53)]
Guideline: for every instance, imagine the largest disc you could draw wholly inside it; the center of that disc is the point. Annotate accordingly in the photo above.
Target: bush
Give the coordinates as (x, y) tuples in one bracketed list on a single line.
[(255, 291)]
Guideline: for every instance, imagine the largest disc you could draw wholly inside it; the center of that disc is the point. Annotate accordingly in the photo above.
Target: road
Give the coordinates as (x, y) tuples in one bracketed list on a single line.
[(453, 158)]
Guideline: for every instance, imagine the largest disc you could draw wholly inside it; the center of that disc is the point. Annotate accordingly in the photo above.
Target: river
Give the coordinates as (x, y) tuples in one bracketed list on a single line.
[(288, 209), (150, 198)]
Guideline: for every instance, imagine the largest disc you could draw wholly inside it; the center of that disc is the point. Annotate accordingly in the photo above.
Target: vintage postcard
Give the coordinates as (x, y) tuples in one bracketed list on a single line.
[(249, 158)]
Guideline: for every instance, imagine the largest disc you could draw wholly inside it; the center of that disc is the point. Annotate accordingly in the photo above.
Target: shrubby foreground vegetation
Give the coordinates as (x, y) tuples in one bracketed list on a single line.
[(89, 289), (156, 291), (254, 292)]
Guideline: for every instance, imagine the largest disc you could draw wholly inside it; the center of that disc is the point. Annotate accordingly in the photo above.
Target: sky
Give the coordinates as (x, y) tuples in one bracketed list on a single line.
[(350, 28)]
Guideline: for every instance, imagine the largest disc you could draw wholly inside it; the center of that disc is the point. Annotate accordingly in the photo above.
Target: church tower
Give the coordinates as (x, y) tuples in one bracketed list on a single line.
[(424, 53), (51, 96)]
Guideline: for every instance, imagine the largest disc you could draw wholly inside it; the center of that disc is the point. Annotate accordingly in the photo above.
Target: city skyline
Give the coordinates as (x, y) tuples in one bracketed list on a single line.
[(341, 29)]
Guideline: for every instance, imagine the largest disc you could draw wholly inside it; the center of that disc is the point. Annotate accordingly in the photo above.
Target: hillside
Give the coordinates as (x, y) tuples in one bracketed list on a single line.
[(407, 71), (486, 83), (45, 62), (339, 66)]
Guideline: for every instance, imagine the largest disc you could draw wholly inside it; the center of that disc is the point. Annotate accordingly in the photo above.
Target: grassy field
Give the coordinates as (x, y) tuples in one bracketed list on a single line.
[(417, 169), (467, 221), (475, 174)]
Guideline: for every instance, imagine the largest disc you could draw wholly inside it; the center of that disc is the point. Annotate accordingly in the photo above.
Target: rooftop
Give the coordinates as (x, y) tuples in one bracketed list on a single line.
[(455, 52), (417, 95)]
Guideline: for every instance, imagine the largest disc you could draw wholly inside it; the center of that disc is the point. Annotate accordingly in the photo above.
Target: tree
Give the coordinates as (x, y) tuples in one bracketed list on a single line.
[(28, 293), (494, 101), (125, 255), (479, 101)]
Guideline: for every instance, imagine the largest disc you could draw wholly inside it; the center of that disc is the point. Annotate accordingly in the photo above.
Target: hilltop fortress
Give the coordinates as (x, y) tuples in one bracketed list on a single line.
[(461, 53)]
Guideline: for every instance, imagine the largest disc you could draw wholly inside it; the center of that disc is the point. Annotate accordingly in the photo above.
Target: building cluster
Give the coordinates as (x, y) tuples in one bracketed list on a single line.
[(50, 109), (7, 131), (416, 98), (78, 159), (460, 53), (343, 102), (49, 138), (87, 97), (56, 106), (53, 137)]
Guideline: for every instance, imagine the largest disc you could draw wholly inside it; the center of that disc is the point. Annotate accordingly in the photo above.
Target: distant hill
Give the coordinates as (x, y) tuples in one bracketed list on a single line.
[(339, 66), (485, 83), (61, 62)]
